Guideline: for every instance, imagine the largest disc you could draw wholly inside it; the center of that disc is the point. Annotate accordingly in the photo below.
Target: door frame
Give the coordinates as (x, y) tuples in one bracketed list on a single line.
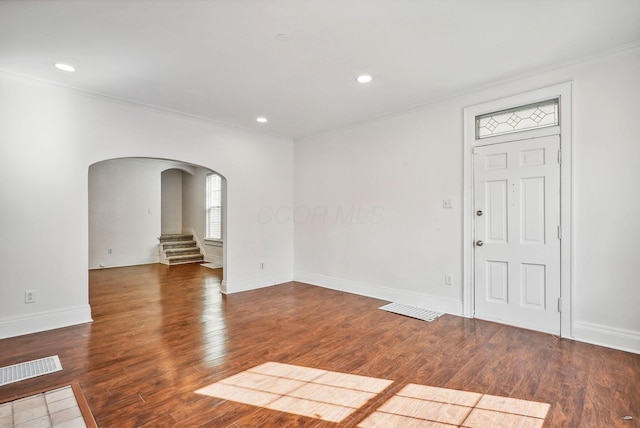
[(562, 91)]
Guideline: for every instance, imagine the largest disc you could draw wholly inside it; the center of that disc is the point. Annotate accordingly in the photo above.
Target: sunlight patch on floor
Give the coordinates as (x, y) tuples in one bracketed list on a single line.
[(320, 394), (333, 396), (420, 405)]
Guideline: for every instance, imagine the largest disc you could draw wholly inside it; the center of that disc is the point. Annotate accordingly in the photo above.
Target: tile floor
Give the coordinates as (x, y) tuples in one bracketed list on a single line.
[(52, 409)]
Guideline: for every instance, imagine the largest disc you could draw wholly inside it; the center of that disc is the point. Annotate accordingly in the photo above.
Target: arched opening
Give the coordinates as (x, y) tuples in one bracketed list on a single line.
[(134, 201)]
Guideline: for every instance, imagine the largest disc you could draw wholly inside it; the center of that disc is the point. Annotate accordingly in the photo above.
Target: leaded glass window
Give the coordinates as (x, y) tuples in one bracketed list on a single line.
[(538, 115)]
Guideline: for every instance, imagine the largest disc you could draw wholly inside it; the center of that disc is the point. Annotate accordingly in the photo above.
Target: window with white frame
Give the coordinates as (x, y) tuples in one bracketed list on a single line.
[(213, 207)]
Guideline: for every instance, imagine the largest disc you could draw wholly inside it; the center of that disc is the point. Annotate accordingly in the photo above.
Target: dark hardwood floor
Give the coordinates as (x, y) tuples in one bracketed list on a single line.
[(161, 333)]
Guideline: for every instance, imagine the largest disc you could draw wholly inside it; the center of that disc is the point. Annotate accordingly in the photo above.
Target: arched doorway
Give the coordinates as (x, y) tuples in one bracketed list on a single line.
[(133, 201)]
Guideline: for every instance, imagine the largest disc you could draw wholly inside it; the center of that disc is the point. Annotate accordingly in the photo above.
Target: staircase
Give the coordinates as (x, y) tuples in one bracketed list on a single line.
[(180, 249)]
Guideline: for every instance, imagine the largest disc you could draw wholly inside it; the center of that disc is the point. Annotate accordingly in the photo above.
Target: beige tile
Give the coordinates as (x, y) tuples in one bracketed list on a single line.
[(480, 418), (41, 422), (28, 414), (29, 403), (5, 410), (65, 403), (6, 415), (512, 405), (261, 382), (59, 394), (312, 409), (65, 415), (355, 382), (74, 423), (443, 395), (6, 421), (332, 395), (385, 420), (237, 394), (426, 410)]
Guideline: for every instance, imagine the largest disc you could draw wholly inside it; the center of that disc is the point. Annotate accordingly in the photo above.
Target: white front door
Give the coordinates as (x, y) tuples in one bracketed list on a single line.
[(517, 241)]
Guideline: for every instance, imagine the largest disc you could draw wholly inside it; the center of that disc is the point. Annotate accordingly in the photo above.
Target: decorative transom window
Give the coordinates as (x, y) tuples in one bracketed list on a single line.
[(531, 116), (213, 207)]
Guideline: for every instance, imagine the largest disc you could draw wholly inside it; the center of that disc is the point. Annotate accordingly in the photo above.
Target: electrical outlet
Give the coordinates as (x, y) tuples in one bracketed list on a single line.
[(448, 279), (447, 203), (261, 265), (30, 296)]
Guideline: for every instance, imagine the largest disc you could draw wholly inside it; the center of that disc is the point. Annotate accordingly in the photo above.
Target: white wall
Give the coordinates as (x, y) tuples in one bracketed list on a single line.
[(124, 212), (50, 135), (171, 201), (401, 168), (381, 186)]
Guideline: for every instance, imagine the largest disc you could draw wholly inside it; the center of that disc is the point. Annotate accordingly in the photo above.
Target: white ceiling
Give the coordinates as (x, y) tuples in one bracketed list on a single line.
[(221, 59)]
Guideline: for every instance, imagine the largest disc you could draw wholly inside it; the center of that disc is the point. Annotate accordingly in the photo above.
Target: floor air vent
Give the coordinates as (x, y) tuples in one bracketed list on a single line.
[(22, 371), (411, 311)]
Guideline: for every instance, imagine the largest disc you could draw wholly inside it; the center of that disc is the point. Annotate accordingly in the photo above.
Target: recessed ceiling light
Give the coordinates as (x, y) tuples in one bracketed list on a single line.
[(65, 67), (261, 119), (365, 78)]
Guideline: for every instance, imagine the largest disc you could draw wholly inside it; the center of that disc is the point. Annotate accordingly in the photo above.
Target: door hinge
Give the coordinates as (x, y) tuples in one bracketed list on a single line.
[(560, 232), (559, 304), (560, 157)]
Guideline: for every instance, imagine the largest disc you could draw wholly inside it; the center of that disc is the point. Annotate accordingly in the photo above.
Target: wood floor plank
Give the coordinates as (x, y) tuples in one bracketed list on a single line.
[(162, 333)]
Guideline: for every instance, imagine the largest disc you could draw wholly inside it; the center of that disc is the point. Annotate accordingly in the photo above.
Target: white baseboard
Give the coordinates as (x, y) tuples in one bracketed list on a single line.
[(425, 301), (43, 321), (125, 265), (610, 337), (247, 284)]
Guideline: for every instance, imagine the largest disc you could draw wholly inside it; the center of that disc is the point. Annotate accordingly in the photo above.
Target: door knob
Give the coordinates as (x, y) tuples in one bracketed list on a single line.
[(479, 213), (479, 243)]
